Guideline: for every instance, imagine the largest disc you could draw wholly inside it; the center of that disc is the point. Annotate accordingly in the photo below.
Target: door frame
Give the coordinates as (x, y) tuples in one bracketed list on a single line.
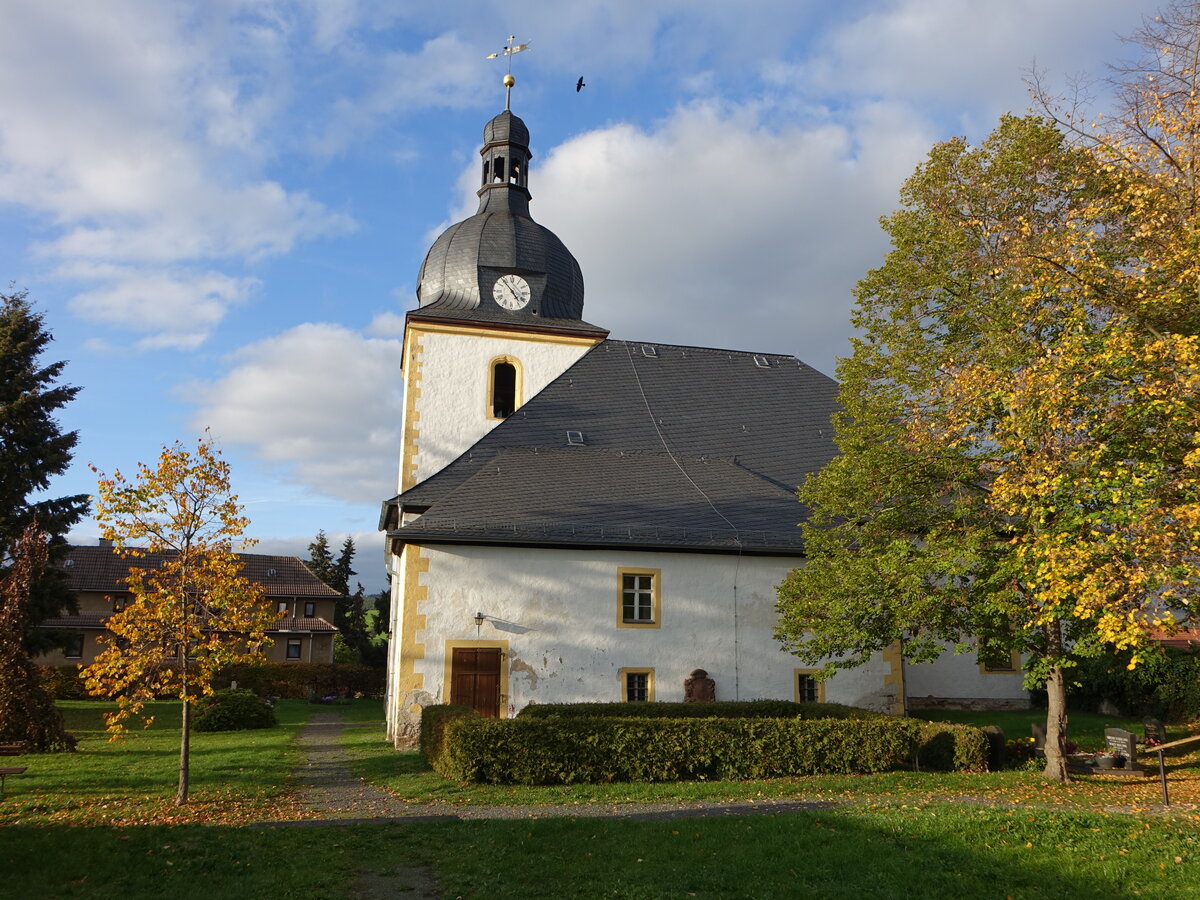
[(448, 665)]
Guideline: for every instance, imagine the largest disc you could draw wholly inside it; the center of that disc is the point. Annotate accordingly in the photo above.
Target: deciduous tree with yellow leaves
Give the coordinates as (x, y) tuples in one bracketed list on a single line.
[(1020, 431), (191, 612)]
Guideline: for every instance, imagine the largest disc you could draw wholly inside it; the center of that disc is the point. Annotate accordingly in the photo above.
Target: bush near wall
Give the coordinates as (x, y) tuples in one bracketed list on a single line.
[(1164, 685), (952, 748), (306, 681), (433, 730), (718, 709), (63, 682), (565, 750)]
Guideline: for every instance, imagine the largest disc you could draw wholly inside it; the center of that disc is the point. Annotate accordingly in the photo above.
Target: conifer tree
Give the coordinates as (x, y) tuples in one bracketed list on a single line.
[(34, 449)]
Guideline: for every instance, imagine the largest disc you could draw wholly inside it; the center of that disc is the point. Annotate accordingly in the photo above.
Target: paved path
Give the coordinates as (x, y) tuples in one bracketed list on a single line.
[(329, 788)]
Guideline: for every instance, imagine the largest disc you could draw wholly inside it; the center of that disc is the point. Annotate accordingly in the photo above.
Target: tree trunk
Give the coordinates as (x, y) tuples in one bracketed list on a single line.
[(1056, 709), (181, 796)]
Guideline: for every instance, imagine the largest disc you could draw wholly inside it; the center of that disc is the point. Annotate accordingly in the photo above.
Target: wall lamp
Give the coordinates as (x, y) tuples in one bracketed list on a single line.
[(479, 617)]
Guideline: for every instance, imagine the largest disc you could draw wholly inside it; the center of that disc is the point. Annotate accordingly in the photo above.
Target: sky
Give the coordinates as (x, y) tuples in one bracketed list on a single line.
[(221, 206)]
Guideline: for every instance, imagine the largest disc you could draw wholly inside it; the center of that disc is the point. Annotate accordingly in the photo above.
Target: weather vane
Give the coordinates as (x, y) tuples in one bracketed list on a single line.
[(509, 49)]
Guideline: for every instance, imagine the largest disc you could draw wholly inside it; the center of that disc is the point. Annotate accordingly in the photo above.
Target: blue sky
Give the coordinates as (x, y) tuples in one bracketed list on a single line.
[(221, 206)]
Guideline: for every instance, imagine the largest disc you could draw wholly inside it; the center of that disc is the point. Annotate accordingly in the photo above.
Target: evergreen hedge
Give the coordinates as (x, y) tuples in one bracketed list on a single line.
[(544, 749), (293, 681), (305, 681)]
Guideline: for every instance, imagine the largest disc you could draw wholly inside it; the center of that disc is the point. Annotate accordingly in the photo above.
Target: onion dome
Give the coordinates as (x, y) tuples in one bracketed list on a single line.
[(500, 260)]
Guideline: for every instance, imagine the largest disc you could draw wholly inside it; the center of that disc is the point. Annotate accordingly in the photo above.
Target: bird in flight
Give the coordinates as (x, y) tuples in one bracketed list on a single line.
[(579, 85)]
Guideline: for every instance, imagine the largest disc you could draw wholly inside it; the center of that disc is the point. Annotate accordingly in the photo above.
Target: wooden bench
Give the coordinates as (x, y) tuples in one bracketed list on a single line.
[(15, 748)]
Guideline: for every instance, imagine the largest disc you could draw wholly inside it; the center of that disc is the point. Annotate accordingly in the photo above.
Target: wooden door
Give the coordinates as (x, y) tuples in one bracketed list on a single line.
[(475, 679)]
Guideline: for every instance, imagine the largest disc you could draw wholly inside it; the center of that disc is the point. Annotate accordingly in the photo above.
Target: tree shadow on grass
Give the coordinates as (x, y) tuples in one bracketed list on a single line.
[(830, 853)]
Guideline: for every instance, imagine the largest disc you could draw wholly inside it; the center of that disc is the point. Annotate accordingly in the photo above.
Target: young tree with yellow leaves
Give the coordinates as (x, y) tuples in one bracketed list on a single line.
[(1021, 414), (191, 613)]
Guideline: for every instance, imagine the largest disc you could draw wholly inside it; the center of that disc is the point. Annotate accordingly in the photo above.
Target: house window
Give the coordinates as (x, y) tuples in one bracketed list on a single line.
[(638, 598), (999, 662), (809, 689), (293, 648), (73, 647), (310, 609), (282, 607), (119, 603), (637, 685), (502, 391)]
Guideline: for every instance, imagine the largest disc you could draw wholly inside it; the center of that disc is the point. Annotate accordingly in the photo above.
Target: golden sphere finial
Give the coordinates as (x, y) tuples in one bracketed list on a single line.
[(509, 81)]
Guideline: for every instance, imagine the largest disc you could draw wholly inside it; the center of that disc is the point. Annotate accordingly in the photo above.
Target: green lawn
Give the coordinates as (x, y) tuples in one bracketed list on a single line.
[(935, 851), (236, 776), (92, 825)]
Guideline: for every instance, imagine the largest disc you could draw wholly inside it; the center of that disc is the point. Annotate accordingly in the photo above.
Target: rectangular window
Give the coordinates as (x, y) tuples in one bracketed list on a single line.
[(638, 597), (1002, 662), (637, 685), (809, 688), (73, 648), (310, 609), (282, 607), (119, 603), (293, 648)]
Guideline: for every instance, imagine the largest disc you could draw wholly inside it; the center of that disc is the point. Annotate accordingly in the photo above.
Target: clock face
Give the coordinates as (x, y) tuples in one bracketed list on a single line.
[(511, 291)]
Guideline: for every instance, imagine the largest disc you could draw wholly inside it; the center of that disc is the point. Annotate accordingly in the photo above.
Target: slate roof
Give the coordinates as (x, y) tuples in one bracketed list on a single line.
[(685, 448), (102, 569)]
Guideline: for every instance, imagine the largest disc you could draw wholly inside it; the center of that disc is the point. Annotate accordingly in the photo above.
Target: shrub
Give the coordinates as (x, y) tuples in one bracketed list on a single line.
[(945, 747), (1164, 685), (720, 709), (63, 682), (233, 710), (433, 727), (304, 681), (565, 749)]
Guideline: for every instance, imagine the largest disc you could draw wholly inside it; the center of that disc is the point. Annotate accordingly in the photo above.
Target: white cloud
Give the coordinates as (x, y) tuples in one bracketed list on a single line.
[(133, 130), (718, 228), (320, 401), (177, 309)]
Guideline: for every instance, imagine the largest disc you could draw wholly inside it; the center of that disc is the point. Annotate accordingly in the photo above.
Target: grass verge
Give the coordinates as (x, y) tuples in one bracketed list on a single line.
[(239, 776), (934, 851)]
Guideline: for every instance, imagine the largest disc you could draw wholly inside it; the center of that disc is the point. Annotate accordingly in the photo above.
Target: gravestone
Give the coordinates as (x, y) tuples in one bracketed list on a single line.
[(996, 747), (1122, 743), (1154, 730), (699, 688)]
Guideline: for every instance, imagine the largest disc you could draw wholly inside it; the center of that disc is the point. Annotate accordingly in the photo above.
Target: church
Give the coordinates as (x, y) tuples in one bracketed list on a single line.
[(588, 519)]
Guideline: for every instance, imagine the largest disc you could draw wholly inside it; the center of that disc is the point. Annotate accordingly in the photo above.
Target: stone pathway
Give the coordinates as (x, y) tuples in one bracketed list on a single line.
[(330, 789)]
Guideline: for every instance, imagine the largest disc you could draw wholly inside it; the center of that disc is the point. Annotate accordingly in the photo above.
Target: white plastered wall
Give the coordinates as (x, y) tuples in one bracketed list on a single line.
[(557, 611), (958, 680), (447, 374)]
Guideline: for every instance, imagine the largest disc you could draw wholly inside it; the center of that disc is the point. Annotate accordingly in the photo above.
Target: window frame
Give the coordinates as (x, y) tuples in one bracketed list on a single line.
[(69, 645), (310, 609), (797, 674), (623, 676), (298, 643), (518, 385), (655, 576), (1014, 661)]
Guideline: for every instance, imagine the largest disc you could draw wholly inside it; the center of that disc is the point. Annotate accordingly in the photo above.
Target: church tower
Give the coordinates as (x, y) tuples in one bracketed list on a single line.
[(500, 314)]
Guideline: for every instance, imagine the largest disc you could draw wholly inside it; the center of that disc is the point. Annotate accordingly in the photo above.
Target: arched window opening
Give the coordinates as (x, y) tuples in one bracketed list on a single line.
[(498, 169), (486, 166), (514, 173), (504, 390)]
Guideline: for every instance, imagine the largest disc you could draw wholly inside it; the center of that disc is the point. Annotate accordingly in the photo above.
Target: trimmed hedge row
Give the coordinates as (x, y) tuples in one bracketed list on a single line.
[(294, 681), (304, 681), (718, 709), (547, 750)]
